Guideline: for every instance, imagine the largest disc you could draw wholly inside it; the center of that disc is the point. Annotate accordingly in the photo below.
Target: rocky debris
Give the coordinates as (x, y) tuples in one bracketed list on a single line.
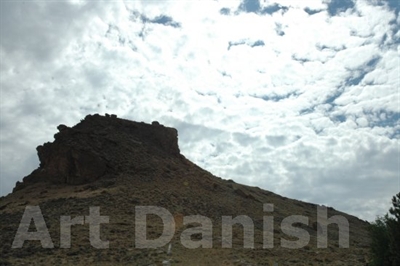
[(101, 146)]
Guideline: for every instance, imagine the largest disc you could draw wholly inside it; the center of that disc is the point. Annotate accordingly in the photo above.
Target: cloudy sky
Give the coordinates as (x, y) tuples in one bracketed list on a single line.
[(297, 97)]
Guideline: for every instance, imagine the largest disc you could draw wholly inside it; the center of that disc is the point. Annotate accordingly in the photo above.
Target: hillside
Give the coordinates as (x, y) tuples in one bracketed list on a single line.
[(121, 166)]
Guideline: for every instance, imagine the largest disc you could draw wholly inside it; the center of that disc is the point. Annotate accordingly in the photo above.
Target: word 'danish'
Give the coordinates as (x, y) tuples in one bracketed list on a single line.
[(289, 226)]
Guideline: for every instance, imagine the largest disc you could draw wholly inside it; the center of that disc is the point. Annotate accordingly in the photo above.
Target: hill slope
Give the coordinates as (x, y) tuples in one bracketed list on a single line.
[(121, 168)]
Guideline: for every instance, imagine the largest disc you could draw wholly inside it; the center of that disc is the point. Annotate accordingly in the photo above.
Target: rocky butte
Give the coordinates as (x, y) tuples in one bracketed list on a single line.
[(110, 191)]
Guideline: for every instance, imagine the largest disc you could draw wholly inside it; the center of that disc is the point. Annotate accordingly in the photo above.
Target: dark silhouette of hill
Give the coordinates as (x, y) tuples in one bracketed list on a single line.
[(119, 166)]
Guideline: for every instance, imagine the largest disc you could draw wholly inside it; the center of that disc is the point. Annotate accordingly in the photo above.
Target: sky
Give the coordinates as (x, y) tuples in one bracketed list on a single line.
[(300, 98)]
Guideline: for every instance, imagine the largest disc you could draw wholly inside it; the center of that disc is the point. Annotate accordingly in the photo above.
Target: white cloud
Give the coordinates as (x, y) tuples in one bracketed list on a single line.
[(312, 112)]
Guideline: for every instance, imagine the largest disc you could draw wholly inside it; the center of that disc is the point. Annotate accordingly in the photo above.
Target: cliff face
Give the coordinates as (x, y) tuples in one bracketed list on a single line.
[(101, 147)]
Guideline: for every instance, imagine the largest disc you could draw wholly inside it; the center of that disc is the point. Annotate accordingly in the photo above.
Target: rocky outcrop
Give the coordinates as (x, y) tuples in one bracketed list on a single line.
[(101, 147)]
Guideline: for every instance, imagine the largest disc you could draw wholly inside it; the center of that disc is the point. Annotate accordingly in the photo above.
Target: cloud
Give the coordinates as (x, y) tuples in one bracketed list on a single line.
[(296, 97)]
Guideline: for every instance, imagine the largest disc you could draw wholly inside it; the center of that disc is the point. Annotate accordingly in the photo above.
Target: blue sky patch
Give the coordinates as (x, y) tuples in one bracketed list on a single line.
[(307, 111), (337, 6), (373, 62), (225, 11), (359, 74), (273, 8), (387, 119), (393, 5), (257, 43), (356, 78), (339, 118), (331, 98), (250, 6), (311, 11), (254, 6)]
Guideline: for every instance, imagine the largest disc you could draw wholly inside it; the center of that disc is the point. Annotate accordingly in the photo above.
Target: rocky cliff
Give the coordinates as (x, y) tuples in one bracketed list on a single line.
[(101, 147)]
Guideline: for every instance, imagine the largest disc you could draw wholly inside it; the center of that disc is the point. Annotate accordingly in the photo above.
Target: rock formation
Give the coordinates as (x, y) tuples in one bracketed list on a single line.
[(101, 147), (116, 165)]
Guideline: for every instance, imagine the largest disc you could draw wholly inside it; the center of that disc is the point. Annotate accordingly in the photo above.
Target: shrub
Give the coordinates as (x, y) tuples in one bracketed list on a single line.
[(394, 230), (380, 242), (385, 235)]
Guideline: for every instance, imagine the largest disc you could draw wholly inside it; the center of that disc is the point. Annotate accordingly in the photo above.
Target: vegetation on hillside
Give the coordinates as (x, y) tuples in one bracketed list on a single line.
[(385, 235)]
